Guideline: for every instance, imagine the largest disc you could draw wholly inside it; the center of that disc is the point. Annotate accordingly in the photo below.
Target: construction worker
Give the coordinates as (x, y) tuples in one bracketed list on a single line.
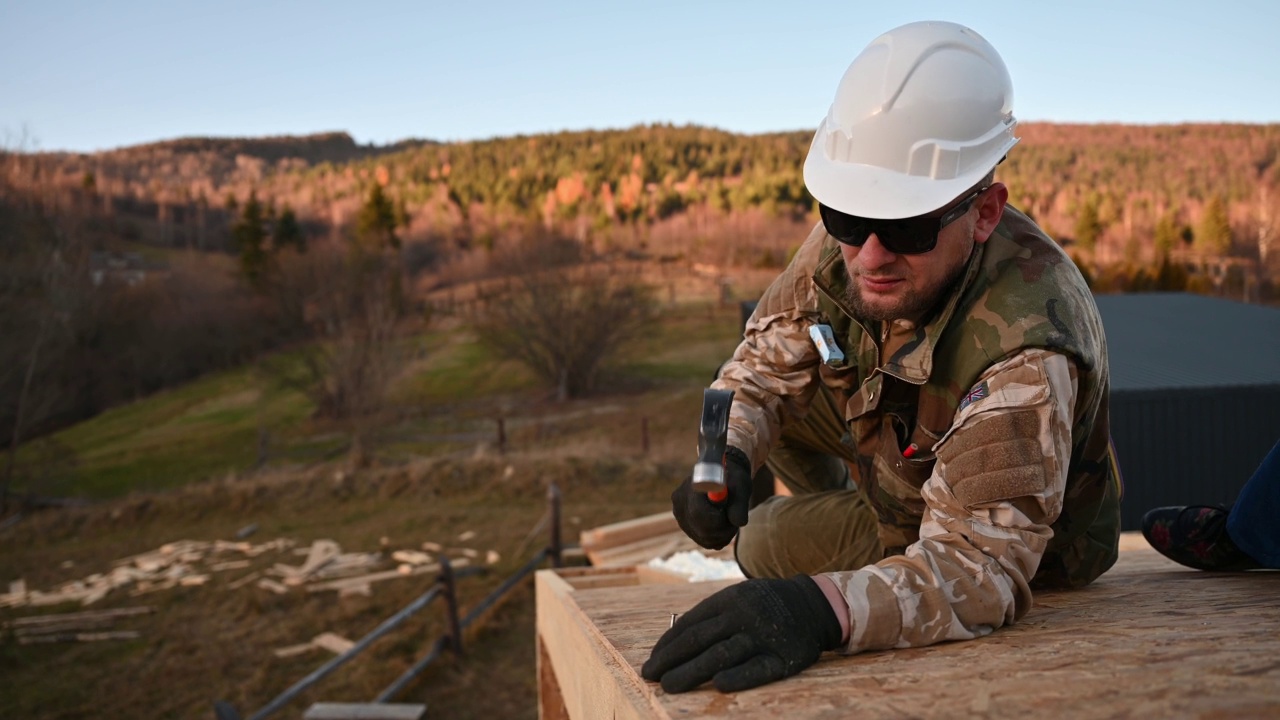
[(928, 379)]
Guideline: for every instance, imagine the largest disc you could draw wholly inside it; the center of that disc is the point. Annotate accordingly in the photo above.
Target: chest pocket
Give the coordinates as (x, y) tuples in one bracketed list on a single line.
[(903, 460)]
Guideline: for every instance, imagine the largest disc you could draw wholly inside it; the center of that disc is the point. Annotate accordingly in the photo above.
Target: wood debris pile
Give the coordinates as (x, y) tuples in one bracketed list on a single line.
[(192, 563)]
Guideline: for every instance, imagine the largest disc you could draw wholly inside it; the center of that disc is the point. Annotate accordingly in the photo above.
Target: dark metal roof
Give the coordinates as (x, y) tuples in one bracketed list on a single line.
[(1178, 340)]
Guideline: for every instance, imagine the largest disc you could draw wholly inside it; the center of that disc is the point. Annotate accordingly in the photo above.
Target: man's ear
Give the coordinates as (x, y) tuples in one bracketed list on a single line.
[(990, 206)]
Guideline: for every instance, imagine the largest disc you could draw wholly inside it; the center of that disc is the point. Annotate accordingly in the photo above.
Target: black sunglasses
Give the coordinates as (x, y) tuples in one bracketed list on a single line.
[(906, 236)]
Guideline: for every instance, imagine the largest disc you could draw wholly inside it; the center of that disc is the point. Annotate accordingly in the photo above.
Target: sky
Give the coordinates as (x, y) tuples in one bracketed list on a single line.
[(93, 75)]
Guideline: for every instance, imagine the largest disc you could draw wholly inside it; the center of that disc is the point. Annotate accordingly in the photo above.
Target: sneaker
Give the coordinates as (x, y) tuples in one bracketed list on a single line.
[(1195, 536)]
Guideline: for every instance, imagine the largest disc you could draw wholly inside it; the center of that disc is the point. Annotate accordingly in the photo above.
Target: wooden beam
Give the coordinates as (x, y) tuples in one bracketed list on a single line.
[(628, 531)]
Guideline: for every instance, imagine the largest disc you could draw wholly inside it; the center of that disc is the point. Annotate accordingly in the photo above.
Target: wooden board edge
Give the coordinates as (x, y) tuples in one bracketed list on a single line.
[(593, 678)]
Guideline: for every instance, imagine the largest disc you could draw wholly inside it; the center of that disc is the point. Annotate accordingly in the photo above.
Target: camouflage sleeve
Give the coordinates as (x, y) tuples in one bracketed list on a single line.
[(774, 370), (997, 486)]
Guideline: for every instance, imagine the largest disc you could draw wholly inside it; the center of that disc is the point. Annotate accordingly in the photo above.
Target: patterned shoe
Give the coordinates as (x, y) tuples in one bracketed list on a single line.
[(1195, 536)]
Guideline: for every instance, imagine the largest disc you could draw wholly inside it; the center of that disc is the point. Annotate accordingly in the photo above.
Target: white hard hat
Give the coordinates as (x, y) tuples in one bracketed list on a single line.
[(921, 115)]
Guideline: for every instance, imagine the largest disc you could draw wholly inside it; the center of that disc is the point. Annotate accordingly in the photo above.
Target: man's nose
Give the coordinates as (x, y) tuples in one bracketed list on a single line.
[(873, 253)]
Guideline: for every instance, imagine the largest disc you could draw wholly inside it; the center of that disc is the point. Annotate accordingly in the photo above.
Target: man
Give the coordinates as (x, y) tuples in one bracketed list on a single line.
[(933, 339)]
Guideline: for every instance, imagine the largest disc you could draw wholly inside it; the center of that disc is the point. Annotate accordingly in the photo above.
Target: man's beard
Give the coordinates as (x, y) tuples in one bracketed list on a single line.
[(914, 305)]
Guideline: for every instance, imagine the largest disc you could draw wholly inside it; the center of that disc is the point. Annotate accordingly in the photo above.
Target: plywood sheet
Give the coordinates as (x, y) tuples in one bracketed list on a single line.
[(1148, 639)]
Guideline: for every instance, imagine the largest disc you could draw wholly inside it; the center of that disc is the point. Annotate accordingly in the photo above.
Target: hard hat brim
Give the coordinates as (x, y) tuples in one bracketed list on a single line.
[(875, 192)]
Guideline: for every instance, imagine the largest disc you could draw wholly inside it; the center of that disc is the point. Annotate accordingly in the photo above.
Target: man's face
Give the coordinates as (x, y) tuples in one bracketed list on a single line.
[(886, 286)]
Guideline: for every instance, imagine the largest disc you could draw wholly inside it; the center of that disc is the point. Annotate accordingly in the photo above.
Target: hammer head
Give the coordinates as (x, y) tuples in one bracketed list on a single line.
[(713, 440)]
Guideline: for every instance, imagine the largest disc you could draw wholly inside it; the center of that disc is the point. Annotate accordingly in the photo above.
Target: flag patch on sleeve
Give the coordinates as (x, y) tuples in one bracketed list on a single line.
[(977, 393)]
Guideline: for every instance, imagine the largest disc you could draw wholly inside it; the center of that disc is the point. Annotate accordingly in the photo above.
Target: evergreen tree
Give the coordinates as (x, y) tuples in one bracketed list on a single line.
[(287, 232), (250, 235), (1088, 224), (1167, 235), (1214, 234), (376, 223)]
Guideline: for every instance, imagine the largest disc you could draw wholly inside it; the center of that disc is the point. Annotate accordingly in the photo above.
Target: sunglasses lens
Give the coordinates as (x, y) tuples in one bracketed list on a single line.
[(848, 229), (910, 236)]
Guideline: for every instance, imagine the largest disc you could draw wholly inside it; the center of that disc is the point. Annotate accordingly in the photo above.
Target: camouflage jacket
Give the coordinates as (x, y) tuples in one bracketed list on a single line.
[(1003, 392)]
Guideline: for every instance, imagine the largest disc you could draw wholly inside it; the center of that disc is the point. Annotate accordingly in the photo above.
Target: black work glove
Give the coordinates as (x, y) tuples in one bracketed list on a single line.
[(748, 634), (713, 525)]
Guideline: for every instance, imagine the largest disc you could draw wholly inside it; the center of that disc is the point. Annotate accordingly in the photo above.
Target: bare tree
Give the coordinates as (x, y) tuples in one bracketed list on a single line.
[(351, 301), (562, 318)]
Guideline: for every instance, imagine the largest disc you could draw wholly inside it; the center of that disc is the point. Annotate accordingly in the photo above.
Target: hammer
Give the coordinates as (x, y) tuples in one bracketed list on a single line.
[(713, 440)]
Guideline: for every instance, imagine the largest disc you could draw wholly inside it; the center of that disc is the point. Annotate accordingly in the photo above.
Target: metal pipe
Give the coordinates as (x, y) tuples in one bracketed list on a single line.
[(394, 688), (504, 588)]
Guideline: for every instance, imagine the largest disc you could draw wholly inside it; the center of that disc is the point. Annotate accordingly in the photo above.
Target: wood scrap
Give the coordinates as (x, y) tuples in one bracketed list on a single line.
[(146, 586), (343, 565), (80, 637), (465, 552), (279, 545), (348, 564), (76, 626), (411, 557), (291, 650), (464, 537), (492, 557), (95, 595), (365, 590), (184, 546), (273, 586), (40, 599), (57, 618), (432, 547), (237, 584), (230, 565), (220, 546), (380, 576), (335, 644)]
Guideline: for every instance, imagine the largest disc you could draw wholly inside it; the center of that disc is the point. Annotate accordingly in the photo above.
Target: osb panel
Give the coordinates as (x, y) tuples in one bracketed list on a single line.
[(1148, 639)]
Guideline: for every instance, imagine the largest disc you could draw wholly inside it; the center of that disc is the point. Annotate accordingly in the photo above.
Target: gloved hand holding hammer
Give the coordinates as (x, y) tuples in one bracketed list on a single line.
[(712, 503)]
